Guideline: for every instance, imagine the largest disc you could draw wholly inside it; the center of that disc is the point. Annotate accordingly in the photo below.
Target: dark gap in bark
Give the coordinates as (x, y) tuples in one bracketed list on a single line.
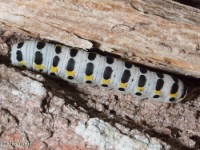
[(192, 3)]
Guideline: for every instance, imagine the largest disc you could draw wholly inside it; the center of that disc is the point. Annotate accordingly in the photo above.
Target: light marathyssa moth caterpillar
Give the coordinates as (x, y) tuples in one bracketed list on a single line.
[(79, 66)]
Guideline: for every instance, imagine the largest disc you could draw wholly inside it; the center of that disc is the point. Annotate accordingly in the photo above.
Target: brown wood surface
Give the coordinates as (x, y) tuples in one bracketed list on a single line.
[(162, 34)]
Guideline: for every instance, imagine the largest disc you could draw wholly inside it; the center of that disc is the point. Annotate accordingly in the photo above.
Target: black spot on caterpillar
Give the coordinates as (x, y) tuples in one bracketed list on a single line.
[(79, 66)]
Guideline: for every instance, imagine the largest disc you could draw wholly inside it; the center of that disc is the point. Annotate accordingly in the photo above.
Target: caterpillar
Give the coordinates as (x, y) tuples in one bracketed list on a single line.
[(79, 66)]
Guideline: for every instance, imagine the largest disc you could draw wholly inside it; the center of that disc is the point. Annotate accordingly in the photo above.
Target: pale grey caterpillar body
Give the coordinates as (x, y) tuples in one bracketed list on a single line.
[(79, 66)]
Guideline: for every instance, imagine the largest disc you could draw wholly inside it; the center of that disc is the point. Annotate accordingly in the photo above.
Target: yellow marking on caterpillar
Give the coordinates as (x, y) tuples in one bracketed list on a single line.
[(157, 92), (173, 95), (38, 67), (123, 85), (70, 73), (105, 81), (21, 63), (88, 78), (54, 69), (139, 89)]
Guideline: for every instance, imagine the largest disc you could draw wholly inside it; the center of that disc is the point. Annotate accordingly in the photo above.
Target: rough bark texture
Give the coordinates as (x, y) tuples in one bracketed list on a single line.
[(38, 112), (157, 33)]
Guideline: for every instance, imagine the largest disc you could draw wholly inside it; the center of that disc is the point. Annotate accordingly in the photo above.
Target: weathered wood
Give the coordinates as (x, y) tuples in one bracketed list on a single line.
[(162, 34)]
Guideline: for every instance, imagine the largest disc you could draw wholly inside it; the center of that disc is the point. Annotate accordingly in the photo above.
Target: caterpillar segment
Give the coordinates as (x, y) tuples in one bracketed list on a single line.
[(78, 66)]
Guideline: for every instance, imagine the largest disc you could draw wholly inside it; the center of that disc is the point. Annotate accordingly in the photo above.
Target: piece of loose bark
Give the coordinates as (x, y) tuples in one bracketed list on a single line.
[(161, 34)]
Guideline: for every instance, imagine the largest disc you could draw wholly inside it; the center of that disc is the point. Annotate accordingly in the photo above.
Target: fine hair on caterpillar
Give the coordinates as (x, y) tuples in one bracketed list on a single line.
[(78, 66)]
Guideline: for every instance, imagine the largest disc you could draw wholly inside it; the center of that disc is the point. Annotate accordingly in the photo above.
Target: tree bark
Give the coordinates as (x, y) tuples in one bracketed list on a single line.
[(160, 34), (45, 113)]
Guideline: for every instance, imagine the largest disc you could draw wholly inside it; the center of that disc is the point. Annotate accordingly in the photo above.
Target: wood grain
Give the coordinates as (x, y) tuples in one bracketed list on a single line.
[(161, 34)]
